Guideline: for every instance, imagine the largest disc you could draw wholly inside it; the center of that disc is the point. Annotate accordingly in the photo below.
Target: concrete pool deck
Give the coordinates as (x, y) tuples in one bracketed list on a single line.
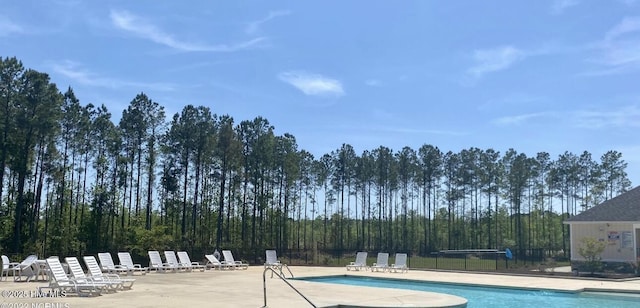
[(244, 288)]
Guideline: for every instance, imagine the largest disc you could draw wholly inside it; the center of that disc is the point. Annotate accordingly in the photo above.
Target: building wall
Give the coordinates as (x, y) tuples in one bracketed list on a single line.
[(619, 237)]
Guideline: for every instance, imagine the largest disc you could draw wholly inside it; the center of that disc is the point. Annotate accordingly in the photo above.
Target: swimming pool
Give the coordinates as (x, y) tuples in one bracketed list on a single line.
[(481, 297)]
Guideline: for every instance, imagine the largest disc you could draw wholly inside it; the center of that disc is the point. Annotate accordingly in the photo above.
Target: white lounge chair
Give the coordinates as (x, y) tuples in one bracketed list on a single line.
[(273, 262), (9, 267), (185, 261), (27, 269), (107, 265), (382, 263), (97, 275), (126, 261), (360, 263), (78, 275), (59, 281), (155, 263), (213, 262), (228, 259), (400, 263), (172, 260)]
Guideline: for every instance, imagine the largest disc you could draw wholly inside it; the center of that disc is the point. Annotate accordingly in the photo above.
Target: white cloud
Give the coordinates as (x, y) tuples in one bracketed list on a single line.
[(519, 119), (8, 27), (627, 25), (373, 82), (629, 2), (312, 84), (126, 21), (559, 6), (75, 72), (621, 117), (619, 51), (254, 26), (496, 59), (622, 53), (624, 117)]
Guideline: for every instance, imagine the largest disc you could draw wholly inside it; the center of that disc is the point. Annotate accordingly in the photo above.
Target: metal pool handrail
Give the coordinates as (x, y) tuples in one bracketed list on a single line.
[(264, 285), (279, 267)]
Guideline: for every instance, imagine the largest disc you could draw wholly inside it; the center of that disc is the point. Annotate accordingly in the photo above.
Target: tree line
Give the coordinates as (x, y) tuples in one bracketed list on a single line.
[(75, 182)]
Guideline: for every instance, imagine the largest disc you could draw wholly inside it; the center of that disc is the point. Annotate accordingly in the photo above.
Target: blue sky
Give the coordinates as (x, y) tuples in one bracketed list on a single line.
[(545, 75)]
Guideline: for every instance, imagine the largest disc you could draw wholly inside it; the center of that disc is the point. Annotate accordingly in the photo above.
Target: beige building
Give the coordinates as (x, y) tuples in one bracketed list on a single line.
[(615, 222)]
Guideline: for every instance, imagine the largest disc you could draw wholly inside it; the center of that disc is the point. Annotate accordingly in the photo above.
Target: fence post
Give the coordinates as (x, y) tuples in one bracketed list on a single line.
[(465, 261), (315, 253)]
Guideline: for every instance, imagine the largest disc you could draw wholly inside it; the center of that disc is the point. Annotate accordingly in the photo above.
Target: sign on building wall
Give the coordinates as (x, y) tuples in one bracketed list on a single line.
[(614, 237)]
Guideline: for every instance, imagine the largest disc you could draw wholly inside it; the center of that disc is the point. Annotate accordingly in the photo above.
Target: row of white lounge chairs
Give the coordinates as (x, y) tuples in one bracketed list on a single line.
[(18, 270), (172, 262), (30, 268), (69, 277), (381, 264), (95, 282)]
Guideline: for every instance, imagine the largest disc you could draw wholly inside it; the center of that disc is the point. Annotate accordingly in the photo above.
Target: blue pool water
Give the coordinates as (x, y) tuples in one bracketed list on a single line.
[(481, 297)]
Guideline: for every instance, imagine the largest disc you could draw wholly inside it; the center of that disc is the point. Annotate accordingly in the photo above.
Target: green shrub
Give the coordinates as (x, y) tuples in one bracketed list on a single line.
[(591, 249)]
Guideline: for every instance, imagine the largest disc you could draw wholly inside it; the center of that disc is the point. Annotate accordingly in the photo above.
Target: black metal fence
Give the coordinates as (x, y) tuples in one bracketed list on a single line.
[(467, 260), (470, 260)]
